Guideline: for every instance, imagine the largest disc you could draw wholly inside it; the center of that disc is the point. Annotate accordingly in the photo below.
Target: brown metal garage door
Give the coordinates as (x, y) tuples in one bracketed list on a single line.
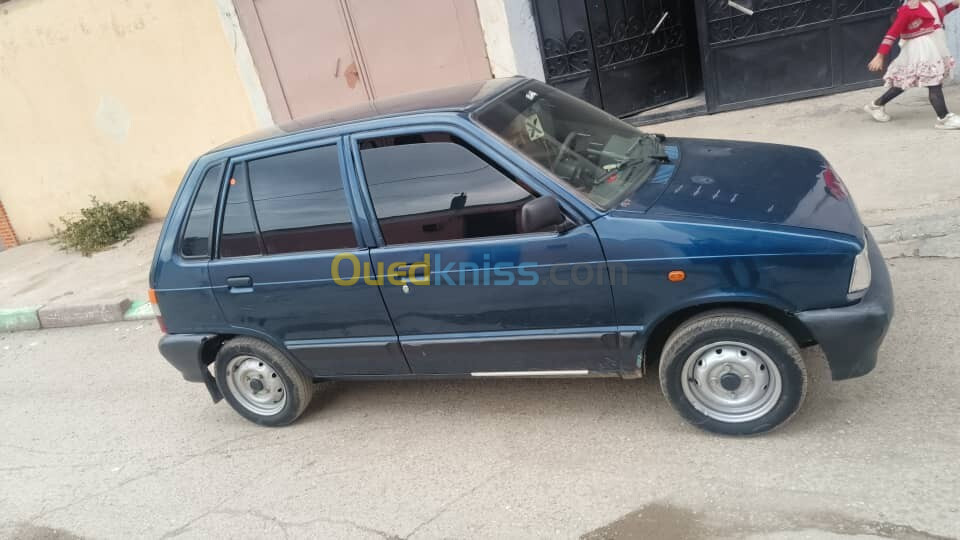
[(316, 55)]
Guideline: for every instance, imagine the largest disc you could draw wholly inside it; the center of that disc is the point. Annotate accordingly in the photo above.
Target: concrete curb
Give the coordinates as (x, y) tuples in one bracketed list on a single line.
[(43, 317), (82, 315)]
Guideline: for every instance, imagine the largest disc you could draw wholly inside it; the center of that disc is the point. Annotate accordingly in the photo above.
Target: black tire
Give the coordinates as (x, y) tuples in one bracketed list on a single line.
[(727, 328), (299, 388)]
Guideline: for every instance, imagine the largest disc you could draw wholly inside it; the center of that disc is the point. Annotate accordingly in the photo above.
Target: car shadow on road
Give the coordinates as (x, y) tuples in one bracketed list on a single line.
[(476, 399)]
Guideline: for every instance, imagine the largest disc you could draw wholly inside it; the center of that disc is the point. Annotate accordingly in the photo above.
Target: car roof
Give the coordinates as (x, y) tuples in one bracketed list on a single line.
[(458, 99)]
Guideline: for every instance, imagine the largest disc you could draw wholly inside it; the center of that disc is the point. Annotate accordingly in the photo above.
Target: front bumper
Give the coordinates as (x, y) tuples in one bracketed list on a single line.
[(185, 352), (851, 336)]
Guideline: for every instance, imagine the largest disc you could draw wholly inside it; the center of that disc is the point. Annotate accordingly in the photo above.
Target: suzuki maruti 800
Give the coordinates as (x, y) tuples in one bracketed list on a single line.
[(507, 229)]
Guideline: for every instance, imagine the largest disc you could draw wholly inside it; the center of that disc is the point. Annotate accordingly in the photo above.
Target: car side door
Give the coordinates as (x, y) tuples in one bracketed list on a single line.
[(496, 299), (286, 215)]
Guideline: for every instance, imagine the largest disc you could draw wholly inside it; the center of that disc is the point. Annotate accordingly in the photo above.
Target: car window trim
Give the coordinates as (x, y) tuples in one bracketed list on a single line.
[(475, 145), (246, 157), (544, 234)]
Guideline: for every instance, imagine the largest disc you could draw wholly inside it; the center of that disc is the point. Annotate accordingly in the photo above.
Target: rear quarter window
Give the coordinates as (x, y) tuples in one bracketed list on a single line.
[(195, 242)]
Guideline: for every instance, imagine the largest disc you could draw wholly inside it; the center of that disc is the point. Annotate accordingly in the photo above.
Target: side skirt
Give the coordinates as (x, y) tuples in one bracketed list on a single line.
[(480, 375), (524, 374)]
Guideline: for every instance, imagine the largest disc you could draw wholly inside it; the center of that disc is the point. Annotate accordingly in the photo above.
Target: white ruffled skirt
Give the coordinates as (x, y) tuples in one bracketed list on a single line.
[(923, 61)]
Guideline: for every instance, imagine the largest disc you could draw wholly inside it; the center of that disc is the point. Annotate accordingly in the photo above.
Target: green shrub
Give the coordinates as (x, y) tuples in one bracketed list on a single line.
[(101, 225)]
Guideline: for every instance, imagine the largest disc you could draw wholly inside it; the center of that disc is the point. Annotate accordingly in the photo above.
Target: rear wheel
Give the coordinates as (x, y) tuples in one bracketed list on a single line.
[(733, 372), (260, 383)]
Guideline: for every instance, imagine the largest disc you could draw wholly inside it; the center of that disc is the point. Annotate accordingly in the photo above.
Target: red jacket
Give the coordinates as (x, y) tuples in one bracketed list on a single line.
[(913, 22)]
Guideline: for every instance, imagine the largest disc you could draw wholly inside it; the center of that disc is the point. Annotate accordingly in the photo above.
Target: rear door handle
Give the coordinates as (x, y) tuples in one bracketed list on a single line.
[(240, 284)]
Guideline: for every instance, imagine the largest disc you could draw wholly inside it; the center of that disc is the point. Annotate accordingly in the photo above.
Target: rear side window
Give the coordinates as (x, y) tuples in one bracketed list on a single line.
[(196, 235), (239, 235), (300, 203)]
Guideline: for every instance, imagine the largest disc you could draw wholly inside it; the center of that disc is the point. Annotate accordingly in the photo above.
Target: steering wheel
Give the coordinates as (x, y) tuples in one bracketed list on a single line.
[(564, 149)]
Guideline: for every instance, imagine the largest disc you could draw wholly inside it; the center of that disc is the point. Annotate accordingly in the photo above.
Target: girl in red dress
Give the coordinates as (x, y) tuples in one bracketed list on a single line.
[(924, 59)]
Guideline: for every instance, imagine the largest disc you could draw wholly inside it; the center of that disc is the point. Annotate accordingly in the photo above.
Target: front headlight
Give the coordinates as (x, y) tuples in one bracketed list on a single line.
[(860, 279)]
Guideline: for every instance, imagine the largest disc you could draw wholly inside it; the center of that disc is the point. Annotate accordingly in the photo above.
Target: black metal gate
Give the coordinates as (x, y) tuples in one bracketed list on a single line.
[(625, 56), (764, 51)]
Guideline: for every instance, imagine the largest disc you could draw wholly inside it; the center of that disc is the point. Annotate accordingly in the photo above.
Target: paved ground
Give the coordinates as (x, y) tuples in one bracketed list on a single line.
[(39, 273), (102, 439)]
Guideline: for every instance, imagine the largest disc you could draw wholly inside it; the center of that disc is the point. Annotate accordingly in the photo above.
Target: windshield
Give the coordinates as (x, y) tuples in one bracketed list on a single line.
[(596, 154)]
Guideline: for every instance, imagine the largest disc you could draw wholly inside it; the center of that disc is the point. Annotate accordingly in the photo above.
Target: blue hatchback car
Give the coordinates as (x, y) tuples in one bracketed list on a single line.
[(507, 229)]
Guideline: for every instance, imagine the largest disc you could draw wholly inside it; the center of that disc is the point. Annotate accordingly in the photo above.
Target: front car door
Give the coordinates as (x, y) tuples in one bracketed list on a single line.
[(285, 217), (497, 299)]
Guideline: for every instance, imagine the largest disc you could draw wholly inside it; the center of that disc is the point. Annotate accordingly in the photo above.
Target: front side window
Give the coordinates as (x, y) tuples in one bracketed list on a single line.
[(431, 187), (196, 235), (595, 153)]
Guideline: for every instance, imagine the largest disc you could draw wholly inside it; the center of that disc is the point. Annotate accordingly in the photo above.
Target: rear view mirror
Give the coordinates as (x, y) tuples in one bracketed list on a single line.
[(541, 214)]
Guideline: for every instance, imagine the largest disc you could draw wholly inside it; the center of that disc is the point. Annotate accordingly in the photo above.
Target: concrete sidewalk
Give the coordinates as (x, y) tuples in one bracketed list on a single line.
[(42, 286), (904, 176)]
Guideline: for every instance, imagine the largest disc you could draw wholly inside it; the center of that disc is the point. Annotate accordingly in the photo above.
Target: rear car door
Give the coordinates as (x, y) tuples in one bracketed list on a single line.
[(498, 299), (285, 216)]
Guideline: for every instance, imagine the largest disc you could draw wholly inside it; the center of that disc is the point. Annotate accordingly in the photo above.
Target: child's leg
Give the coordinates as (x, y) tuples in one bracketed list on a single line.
[(875, 108), (889, 96), (938, 101)]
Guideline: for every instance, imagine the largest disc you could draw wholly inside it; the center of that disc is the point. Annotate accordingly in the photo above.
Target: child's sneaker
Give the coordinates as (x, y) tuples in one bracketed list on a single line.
[(877, 112), (950, 121)]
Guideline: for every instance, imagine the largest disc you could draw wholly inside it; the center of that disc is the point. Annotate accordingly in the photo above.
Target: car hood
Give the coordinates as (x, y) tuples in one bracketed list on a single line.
[(757, 182)]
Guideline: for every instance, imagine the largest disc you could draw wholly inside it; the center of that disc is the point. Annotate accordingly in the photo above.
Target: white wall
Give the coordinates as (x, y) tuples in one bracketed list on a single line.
[(510, 34)]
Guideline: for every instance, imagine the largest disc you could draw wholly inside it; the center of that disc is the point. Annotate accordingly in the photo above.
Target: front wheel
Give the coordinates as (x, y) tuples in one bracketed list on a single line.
[(260, 383), (733, 372)]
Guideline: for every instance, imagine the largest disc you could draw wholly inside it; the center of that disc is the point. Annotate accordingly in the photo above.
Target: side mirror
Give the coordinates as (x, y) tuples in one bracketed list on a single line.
[(541, 214)]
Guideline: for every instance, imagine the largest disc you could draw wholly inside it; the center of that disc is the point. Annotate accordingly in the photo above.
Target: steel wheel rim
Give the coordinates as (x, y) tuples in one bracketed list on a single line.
[(731, 382), (256, 385)]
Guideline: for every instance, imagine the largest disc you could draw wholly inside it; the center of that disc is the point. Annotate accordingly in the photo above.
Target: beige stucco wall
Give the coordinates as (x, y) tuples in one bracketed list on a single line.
[(111, 98)]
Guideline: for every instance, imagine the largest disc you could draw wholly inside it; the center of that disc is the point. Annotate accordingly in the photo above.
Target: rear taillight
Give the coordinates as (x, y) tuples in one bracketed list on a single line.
[(156, 310)]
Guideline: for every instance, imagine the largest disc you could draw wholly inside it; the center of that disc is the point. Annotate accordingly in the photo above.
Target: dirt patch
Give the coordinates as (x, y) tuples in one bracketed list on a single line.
[(667, 522), (28, 531)]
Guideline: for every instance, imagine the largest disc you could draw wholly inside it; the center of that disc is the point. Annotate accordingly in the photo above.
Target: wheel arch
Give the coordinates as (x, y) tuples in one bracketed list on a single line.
[(212, 347), (667, 324)]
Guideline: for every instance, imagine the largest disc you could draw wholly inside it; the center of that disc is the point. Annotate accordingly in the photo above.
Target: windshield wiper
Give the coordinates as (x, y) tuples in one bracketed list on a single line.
[(662, 158), (632, 164)]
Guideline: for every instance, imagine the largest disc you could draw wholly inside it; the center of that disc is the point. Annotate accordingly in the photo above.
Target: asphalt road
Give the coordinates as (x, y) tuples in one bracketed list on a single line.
[(101, 438)]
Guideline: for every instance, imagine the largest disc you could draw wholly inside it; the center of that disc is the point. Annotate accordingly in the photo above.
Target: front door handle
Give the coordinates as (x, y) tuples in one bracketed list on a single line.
[(240, 284), (405, 268)]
